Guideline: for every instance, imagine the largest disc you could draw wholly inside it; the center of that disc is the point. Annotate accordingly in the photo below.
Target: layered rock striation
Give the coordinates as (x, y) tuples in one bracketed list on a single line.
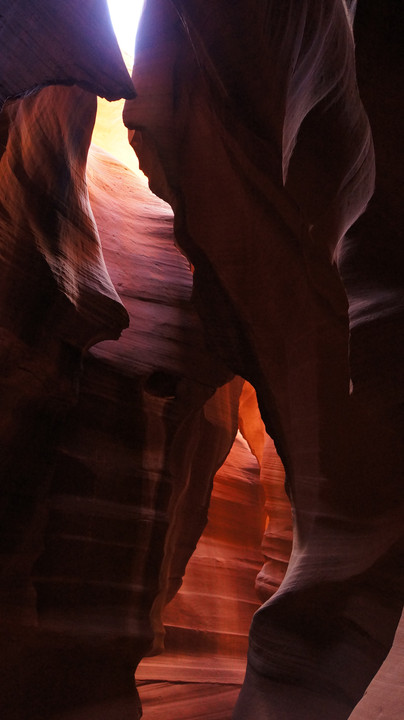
[(122, 361), (92, 545), (98, 506), (69, 42)]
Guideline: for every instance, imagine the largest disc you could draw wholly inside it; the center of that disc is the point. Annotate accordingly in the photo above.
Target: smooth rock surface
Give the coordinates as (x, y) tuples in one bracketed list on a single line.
[(212, 611), (106, 542), (70, 42), (266, 157), (267, 126)]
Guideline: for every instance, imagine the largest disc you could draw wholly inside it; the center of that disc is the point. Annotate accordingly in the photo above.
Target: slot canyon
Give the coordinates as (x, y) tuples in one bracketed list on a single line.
[(202, 361)]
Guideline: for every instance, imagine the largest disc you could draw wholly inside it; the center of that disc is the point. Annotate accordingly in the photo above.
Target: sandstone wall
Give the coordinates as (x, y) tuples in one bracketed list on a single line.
[(122, 361)]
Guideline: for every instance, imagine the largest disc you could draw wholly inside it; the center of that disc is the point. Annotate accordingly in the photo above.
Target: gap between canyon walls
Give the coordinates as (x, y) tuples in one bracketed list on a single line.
[(121, 390), (208, 622)]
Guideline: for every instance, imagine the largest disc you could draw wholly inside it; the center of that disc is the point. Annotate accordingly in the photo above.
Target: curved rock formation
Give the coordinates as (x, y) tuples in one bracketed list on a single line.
[(371, 262), (56, 294), (213, 609), (56, 299), (384, 695), (70, 42), (248, 120), (165, 350), (109, 547), (277, 540)]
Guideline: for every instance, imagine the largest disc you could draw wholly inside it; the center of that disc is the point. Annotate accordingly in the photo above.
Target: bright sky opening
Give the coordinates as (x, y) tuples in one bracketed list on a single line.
[(125, 15)]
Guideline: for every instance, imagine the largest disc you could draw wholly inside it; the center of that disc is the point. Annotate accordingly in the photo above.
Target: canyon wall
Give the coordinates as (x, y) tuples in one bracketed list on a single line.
[(123, 361), (109, 447), (266, 156)]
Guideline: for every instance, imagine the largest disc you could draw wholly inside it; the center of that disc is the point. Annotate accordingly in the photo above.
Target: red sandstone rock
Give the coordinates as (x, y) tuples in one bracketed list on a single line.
[(248, 121), (266, 156), (134, 460), (277, 540), (56, 298), (68, 42), (384, 696), (188, 701), (213, 609)]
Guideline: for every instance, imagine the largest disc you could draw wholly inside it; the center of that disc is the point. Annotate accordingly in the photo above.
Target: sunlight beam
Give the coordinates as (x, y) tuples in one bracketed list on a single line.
[(125, 15)]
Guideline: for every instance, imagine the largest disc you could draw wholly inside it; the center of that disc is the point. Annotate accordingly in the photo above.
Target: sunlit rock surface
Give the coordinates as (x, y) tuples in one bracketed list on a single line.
[(276, 543), (114, 541), (384, 697), (56, 299), (207, 623), (109, 132), (371, 262)]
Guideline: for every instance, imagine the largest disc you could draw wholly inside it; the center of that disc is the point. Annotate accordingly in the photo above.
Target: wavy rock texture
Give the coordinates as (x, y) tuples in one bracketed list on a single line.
[(276, 545), (56, 298), (210, 616), (56, 295), (371, 262), (70, 42), (384, 697), (248, 120), (164, 353), (207, 623), (93, 549), (188, 701), (116, 536)]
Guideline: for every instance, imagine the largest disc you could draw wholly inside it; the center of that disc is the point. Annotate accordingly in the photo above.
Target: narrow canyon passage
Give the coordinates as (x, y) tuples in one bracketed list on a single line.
[(201, 361), (207, 622)]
